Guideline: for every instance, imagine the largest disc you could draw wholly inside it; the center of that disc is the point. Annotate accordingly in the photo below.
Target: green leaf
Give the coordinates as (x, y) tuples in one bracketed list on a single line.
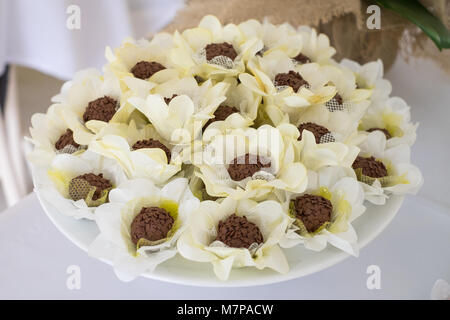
[(419, 15)]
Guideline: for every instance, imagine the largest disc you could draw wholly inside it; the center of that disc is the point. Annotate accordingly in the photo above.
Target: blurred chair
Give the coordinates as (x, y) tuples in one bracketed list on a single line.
[(13, 174)]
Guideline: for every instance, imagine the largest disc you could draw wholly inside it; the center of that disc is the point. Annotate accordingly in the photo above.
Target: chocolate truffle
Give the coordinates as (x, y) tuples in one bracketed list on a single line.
[(220, 49), (102, 109), (302, 58), (66, 139), (221, 113), (292, 79), (152, 224), (152, 143), (386, 133), (370, 167), (167, 100), (313, 211), (144, 69), (316, 129), (93, 180), (245, 166), (238, 232)]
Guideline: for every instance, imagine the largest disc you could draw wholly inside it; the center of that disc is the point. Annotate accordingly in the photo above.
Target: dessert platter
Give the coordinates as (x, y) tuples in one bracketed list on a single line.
[(224, 155)]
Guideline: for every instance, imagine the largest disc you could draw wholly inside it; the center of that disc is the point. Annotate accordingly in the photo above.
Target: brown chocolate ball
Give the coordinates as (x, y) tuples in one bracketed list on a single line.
[(94, 180), (386, 133), (66, 139), (221, 113), (302, 58), (370, 167), (152, 224), (238, 232), (316, 129), (220, 49), (245, 166), (102, 109), (313, 211), (152, 143), (292, 79), (167, 100), (144, 69)]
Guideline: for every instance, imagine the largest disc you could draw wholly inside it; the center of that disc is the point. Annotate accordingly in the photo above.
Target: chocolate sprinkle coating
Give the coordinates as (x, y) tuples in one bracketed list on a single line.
[(302, 58), (102, 109), (370, 167), (292, 79), (316, 129), (313, 211), (152, 224), (221, 113), (144, 69), (152, 143), (220, 49), (167, 100), (238, 232), (386, 133), (245, 166), (96, 181), (65, 139)]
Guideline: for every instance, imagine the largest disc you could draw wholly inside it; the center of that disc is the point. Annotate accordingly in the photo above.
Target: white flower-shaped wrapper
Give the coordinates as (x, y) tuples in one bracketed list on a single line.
[(45, 131), (181, 121), (131, 51), (275, 37), (190, 53), (315, 46), (198, 242), (88, 85), (394, 116), (116, 142), (370, 76), (403, 177), (279, 99), (317, 155), (54, 185), (266, 142), (114, 221), (339, 186), (341, 119)]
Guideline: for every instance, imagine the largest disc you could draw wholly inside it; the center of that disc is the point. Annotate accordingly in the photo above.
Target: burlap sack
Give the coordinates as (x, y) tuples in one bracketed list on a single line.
[(344, 21)]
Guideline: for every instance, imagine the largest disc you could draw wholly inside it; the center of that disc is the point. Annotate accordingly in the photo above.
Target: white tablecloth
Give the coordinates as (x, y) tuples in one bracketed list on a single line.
[(412, 253)]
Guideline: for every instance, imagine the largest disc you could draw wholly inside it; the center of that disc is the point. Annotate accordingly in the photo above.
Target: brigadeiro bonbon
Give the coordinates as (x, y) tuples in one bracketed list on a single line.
[(245, 166), (152, 224), (102, 109), (94, 180), (144, 69), (152, 143), (317, 130), (66, 139), (220, 49), (370, 167), (313, 211), (238, 232)]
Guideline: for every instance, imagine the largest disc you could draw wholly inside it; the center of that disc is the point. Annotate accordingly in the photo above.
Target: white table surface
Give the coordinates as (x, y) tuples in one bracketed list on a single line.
[(412, 253)]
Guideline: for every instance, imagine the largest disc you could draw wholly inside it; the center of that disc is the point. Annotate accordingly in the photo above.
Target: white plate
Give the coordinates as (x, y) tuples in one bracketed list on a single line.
[(179, 270)]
